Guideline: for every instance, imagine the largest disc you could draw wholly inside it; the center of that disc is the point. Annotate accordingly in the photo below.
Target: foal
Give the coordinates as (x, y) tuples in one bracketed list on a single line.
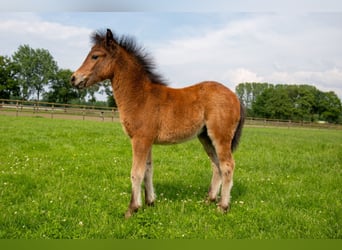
[(152, 113)]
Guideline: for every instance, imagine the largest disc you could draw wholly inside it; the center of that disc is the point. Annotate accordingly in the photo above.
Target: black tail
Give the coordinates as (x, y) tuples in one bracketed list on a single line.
[(238, 130)]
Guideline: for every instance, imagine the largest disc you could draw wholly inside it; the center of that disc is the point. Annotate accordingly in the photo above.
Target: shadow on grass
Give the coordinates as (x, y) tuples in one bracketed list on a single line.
[(179, 190)]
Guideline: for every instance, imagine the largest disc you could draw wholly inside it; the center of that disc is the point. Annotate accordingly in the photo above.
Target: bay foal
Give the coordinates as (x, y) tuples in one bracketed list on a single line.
[(152, 113)]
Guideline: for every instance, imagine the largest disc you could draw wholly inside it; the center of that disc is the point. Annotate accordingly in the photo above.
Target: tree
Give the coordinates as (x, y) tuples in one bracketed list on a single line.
[(91, 93), (297, 102), (9, 87), (33, 72), (328, 107), (303, 99), (36, 69), (61, 90), (274, 103), (109, 92), (248, 93)]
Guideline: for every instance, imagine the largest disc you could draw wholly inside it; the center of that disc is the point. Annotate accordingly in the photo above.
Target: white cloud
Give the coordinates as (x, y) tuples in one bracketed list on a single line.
[(218, 45), (47, 31), (67, 44), (242, 75), (263, 47), (326, 80), (275, 48)]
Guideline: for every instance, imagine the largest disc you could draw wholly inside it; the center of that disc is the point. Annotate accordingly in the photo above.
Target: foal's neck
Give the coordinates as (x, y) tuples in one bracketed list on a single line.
[(129, 83)]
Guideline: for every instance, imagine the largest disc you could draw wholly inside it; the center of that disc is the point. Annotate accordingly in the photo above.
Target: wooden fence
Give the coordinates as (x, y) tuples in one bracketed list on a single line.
[(57, 110), (84, 112), (262, 122)]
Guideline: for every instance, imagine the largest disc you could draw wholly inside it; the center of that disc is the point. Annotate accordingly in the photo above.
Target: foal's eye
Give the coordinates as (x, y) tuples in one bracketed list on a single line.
[(94, 57)]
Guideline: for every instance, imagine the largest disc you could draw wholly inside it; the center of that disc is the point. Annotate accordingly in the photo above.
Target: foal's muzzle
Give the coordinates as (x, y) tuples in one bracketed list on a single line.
[(78, 81)]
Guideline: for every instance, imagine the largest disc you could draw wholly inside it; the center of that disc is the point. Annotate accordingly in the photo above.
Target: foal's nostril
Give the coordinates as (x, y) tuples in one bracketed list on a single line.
[(73, 79)]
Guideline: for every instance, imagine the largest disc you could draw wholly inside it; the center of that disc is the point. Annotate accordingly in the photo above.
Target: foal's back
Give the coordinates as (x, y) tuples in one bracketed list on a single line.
[(183, 113)]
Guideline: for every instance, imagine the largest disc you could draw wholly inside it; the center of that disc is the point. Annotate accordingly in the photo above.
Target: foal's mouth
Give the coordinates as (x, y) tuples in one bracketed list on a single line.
[(78, 82), (81, 85)]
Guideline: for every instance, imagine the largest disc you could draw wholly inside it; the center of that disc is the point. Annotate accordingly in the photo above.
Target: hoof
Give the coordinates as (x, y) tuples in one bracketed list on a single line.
[(210, 200), (223, 209), (130, 212), (150, 204)]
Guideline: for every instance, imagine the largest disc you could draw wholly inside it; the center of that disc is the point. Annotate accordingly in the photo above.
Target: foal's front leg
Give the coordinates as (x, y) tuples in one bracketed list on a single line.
[(149, 190), (141, 150)]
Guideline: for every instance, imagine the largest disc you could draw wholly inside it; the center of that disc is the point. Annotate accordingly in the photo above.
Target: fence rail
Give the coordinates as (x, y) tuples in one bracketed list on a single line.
[(262, 122), (84, 112), (57, 110)]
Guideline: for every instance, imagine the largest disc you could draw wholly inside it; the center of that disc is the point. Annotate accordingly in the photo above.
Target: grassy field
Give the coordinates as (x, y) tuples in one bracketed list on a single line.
[(70, 179)]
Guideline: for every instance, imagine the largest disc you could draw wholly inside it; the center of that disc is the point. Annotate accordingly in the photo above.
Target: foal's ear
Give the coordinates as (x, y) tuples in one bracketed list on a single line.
[(109, 37)]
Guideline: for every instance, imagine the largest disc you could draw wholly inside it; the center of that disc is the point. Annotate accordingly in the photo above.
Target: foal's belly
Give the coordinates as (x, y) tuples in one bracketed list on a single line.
[(178, 134)]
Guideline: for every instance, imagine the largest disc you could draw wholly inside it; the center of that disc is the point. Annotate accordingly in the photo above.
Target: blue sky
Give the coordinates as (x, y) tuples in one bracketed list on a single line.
[(294, 47)]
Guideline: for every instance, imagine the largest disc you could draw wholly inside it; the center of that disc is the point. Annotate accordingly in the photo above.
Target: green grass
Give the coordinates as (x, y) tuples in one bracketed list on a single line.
[(70, 179)]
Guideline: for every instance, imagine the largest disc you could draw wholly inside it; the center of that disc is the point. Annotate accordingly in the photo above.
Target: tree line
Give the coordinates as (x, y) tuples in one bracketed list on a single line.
[(33, 74), (290, 102)]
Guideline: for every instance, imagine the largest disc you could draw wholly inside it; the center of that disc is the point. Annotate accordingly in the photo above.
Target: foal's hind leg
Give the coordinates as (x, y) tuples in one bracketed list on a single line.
[(227, 165), (216, 178), (149, 190), (222, 144)]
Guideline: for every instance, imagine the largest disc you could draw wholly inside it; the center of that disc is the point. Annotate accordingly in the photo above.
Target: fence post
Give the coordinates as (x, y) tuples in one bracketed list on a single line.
[(17, 105), (36, 107), (52, 110), (102, 116)]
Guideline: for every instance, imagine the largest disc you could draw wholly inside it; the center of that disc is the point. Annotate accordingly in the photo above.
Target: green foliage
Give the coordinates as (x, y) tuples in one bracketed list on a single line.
[(61, 89), (111, 101), (33, 73), (8, 85), (328, 106), (64, 179), (248, 92), (35, 69), (292, 102)]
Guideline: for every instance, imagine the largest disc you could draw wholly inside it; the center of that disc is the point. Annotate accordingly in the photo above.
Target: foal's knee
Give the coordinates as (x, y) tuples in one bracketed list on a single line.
[(227, 171)]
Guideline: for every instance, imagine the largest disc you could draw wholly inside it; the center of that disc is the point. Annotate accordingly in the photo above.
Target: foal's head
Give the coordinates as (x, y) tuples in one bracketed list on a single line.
[(109, 53), (99, 62)]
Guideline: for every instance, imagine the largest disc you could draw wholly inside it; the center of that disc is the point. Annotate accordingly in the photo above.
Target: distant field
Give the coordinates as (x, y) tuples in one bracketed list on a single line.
[(64, 179)]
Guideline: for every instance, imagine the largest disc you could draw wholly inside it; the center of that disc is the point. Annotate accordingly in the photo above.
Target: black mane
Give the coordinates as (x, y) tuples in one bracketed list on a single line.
[(129, 44)]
